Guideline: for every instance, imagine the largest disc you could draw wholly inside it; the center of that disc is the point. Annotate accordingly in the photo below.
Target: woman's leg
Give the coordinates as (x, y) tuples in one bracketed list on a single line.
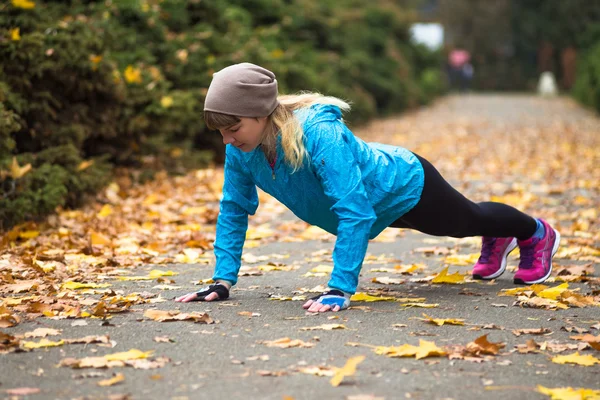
[(443, 211)]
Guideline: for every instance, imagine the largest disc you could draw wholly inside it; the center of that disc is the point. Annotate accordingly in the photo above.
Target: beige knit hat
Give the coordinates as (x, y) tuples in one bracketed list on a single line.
[(243, 90)]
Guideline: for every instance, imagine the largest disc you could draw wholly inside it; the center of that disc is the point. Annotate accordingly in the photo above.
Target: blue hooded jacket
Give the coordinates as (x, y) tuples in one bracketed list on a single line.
[(347, 187)]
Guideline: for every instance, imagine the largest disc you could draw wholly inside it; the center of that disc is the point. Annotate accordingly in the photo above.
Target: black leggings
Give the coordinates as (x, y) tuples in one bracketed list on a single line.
[(443, 211)]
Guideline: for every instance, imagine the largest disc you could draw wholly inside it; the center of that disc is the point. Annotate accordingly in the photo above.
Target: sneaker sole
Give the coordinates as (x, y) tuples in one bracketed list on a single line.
[(507, 251), (554, 250)]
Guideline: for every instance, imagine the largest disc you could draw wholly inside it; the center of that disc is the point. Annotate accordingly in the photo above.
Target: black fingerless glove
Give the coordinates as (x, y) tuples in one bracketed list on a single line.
[(220, 289)]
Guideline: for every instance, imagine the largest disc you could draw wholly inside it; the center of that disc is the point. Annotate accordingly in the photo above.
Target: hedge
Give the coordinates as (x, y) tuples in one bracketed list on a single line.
[(89, 85)]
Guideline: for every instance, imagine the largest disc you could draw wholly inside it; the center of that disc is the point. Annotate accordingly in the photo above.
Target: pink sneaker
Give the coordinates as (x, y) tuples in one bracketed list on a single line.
[(492, 262), (536, 257)]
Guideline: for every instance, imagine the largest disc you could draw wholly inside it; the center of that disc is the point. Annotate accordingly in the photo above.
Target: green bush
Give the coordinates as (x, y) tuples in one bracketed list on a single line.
[(587, 85), (86, 85)]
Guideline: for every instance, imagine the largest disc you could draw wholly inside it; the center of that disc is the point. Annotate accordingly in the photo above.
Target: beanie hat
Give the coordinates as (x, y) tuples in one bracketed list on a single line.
[(243, 90)]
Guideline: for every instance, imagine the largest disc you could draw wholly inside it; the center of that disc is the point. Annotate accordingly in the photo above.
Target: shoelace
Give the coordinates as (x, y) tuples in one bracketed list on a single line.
[(487, 249), (527, 256)]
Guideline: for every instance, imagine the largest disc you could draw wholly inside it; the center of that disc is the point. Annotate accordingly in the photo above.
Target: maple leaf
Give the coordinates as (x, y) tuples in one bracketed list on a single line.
[(16, 171), (554, 292), (575, 358), (569, 393), (361, 296), (440, 322), (133, 75), (348, 369), (428, 349), (525, 290), (443, 277), (482, 346)]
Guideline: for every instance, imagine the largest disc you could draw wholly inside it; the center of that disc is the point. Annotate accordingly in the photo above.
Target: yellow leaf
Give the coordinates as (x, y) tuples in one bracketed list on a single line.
[(99, 239), (16, 171), (29, 234), (347, 370), (576, 358), (553, 293), (166, 101), (360, 296), (462, 259), (536, 288), (277, 53), (440, 322), (406, 350), (132, 354), (286, 343), (176, 152), (569, 393), (326, 269), (156, 273), (42, 343), (324, 327), (428, 349), (15, 34), (133, 75), (105, 211), (421, 305), (112, 381), (95, 58), (25, 4), (85, 164), (443, 277), (78, 285), (189, 256)]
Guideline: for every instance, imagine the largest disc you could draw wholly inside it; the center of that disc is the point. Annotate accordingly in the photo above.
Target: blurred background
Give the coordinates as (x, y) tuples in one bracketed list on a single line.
[(90, 90)]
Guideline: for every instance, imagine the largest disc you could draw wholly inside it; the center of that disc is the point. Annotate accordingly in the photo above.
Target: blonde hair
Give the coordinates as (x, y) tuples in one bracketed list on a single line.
[(284, 119)]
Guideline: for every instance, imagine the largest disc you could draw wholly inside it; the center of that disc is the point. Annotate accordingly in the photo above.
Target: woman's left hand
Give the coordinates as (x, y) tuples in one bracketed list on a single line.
[(332, 300), (313, 306)]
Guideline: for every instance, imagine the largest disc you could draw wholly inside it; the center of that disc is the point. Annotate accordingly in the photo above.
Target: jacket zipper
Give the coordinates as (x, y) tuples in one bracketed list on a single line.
[(272, 165)]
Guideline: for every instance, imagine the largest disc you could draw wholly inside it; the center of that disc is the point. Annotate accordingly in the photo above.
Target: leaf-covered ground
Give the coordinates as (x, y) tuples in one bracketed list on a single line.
[(86, 306)]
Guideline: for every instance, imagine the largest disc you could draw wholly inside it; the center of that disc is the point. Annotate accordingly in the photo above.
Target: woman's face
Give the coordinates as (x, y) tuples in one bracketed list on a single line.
[(246, 135)]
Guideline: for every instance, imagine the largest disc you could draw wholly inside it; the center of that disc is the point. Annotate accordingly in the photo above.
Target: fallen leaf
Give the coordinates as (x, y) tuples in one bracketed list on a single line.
[(360, 296), (575, 358), (324, 327), (443, 277), (174, 315), (539, 331), (347, 370), (24, 391), (440, 322), (112, 381), (385, 280), (569, 393), (42, 343), (286, 343), (482, 346)]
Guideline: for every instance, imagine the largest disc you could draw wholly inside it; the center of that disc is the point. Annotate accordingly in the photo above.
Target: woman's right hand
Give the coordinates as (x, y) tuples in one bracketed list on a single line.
[(210, 293)]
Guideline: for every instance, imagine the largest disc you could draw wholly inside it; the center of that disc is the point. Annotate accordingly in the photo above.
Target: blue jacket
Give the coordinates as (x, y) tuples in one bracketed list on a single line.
[(349, 188)]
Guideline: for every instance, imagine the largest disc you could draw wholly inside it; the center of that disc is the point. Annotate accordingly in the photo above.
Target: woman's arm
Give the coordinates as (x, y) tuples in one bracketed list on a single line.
[(340, 176), (239, 200)]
